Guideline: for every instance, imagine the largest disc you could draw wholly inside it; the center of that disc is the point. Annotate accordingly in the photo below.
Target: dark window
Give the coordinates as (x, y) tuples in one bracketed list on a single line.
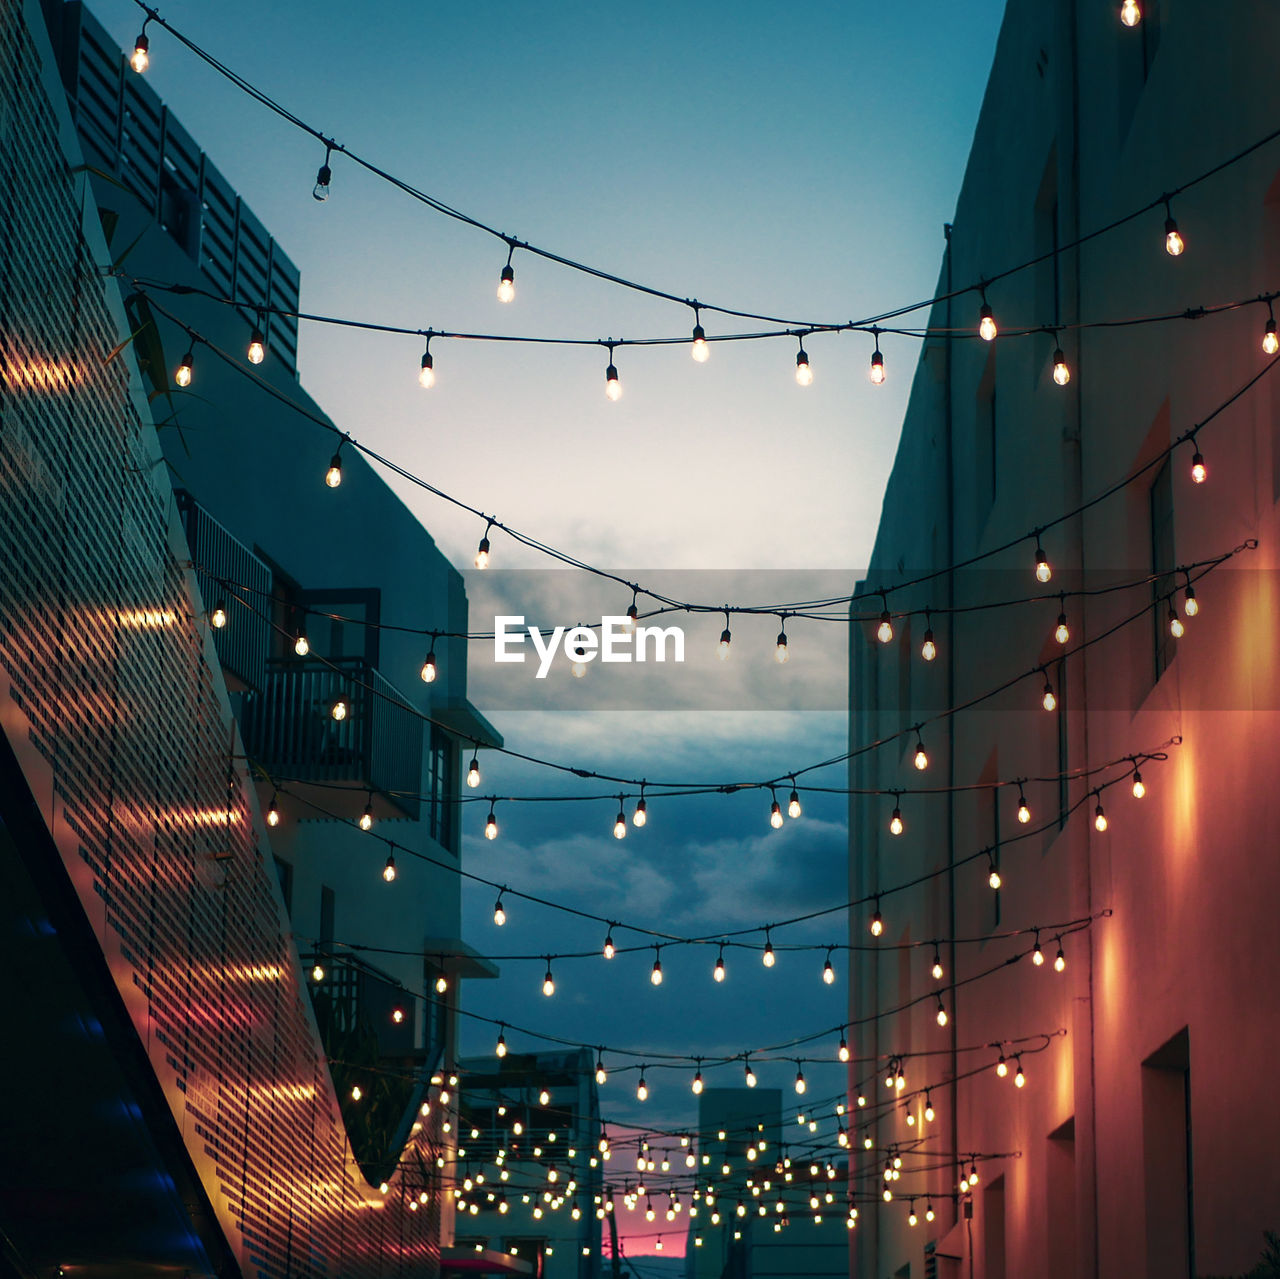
[(1162, 563), (993, 1231), (1166, 1140), (326, 915), (442, 789)]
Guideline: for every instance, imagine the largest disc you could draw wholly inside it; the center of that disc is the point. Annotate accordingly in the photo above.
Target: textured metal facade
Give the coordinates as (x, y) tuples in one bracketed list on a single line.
[(111, 697)]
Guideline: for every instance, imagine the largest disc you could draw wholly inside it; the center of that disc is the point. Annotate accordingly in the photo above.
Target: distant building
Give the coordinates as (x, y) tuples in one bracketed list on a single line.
[(1113, 1154)]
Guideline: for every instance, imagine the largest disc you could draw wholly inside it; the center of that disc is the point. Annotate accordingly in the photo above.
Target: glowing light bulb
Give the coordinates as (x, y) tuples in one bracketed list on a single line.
[(397, 1015), (697, 1084), (937, 969), (781, 653), (700, 350), (749, 1075), (1024, 811), (609, 949), (767, 957), (273, 813), (928, 1109), (218, 616), (793, 805), (491, 826), (1176, 628), (612, 384), (877, 374), (317, 973), (442, 985), (804, 374), (1043, 571), (473, 772), (482, 553), (389, 869), (1130, 14), (301, 645), (800, 1083), (843, 1051), (356, 1092), (366, 818), (427, 373), (895, 822), (993, 879), (1270, 342), (921, 759), (257, 347), (718, 971), (578, 668), (1063, 632), (1199, 472), (324, 175), (499, 913), (1191, 605), (775, 815), (884, 632), (877, 924), (642, 1094), (1002, 1067), (548, 983), (339, 709), (1061, 373), (601, 1074), (501, 1048), (928, 650), (1037, 955), (912, 1218), (725, 640), (140, 58), (1139, 786), (507, 284), (1174, 245), (1048, 700), (1020, 1079), (655, 976), (183, 375), (929, 1213), (620, 825), (942, 1014), (1059, 961), (333, 476), (828, 973), (987, 324)]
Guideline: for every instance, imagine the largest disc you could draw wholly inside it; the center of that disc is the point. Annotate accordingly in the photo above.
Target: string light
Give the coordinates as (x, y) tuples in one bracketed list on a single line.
[(726, 638), (507, 280), (775, 813), (929, 649), (781, 653), (842, 1053), (896, 826), (1043, 571), (324, 175), (1060, 960), (1061, 371), (937, 969), (501, 1047), (429, 669), (700, 351), (548, 982), (877, 373), (183, 376), (1174, 244), (1019, 1078), (1130, 14), (273, 811), (140, 58), (1176, 628), (491, 825), (697, 1085), (612, 384), (339, 709), (655, 976), (884, 632), (366, 818), (482, 551), (601, 1074), (218, 615), (921, 759), (1002, 1066), (828, 972), (301, 645), (929, 1214), (389, 868), (804, 374), (1062, 633), (333, 476), (877, 921), (1048, 699), (941, 1017), (1191, 605), (1199, 471), (928, 1108), (800, 1081), (257, 351), (767, 957), (620, 822), (1024, 810), (609, 950), (642, 1094), (1037, 955), (1270, 341), (987, 322), (993, 874), (499, 912), (641, 815), (427, 370), (793, 802), (748, 1074), (473, 771), (718, 971), (1139, 786)]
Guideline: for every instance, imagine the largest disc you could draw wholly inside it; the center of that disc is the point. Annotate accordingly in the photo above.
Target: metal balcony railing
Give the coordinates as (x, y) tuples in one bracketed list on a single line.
[(243, 643), (358, 998), (289, 728)]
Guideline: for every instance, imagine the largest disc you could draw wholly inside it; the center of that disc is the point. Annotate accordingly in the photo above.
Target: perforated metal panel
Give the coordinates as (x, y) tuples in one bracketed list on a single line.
[(111, 698)]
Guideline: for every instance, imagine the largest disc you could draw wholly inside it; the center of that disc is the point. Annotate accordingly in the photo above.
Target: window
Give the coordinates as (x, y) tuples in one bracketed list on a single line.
[(1163, 559), (326, 916), (993, 1240), (1060, 1201), (1166, 1142), (442, 785)]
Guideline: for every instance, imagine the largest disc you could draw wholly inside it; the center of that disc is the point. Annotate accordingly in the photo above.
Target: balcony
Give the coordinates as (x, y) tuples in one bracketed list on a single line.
[(243, 642), (289, 729)]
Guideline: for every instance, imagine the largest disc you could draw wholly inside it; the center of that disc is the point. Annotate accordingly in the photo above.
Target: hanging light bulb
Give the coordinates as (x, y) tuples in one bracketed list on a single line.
[(921, 759), (828, 972), (257, 346), (937, 970), (877, 373), (612, 384), (1024, 810), (1176, 628), (1061, 371), (301, 645), (928, 1109), (1019, 1078), (749, 1075), (912, 1219), (140, 58), (877, 921), (602, 1075), (842, 1053), (389, 868), (775, 815), (501, 1047), (697, 1082), (442, 985), (609, 949), (941, 1014), (620, 822), (273, 811), (183, 376), (1062, 633), (548, 982), (641, 815), (793, 804), (1270, 342), (804, 374), (218, 616), (781, 654), (324, 175), (1139, 786), (655, 975), (366, 818), (1037, 955), (700, 350), (499, 912), (800, 1082), (491, 826), (1048, 699), (427, 371), (317, 973), (507, 284), (1043, 571), (482, 551), (994, 880), (1199, 471), (339, 709), (726, 638), (1174, 245), (642, 1094), (928, 650), (1130, 14), (333, 476), (896, 826), (1191, 605), (987, 323), (718, 971), (1060, 959), (1002, 1066), (884, 632), (767, 957), (578, 667)]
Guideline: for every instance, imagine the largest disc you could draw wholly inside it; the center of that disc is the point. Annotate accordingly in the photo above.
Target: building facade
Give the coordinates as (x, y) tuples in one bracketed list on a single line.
[(1125, 1135), (188, 867)]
